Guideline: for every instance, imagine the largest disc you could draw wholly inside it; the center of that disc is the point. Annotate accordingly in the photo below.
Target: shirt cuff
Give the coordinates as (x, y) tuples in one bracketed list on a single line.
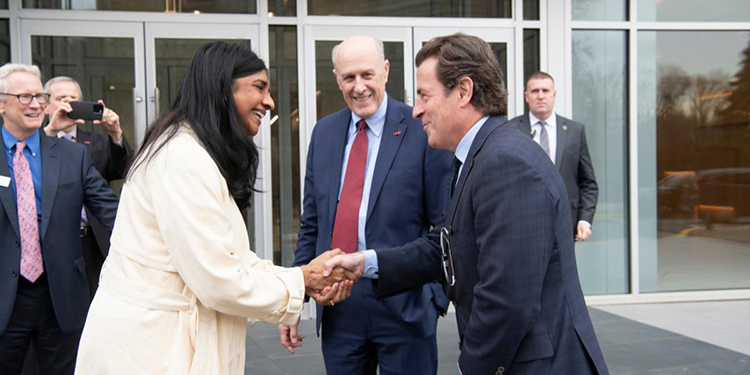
[(118, 143), (584, 222), (295, 284), (371, 264)]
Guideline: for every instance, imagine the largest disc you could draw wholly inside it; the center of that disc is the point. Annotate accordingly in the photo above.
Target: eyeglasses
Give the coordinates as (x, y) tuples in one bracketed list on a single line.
[(445, 246), (26, 98)]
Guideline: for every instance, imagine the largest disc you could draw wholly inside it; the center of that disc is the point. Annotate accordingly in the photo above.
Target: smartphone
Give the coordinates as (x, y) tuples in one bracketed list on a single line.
[(86, 111)]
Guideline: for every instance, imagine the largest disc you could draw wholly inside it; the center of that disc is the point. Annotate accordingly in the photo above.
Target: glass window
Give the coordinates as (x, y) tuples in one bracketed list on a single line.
[(531, 59), (693, 10), (600, 10), (694, 159), (3, 4), (531, 10), (282, 8), (167, 6), (4, 41), (285, 142), (412, 8), (600, 102), (103, 67)]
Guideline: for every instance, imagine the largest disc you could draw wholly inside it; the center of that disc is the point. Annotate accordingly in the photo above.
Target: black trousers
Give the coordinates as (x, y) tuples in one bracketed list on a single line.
[(94, 259), (33, 322)]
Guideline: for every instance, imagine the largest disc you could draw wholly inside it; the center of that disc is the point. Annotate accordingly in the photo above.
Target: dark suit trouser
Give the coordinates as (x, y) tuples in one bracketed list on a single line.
[(33, 322), (94, 261), (361, 333)]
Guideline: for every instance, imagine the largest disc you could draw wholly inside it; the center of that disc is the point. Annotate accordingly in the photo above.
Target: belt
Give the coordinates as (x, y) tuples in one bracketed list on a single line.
[(86, 231)]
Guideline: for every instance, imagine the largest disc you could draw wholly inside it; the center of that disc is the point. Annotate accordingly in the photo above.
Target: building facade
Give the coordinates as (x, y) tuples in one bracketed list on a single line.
[(663, 87)]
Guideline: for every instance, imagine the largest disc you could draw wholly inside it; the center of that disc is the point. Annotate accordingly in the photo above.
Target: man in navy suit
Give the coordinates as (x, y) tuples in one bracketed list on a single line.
[(504, 248), (372, 181), (44, 183)]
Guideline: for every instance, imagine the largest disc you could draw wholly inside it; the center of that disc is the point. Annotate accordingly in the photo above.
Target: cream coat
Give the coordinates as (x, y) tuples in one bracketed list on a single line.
[(180, 280)]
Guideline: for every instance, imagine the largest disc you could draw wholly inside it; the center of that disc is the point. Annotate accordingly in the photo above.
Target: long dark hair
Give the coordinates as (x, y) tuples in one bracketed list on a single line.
[(205, 101)]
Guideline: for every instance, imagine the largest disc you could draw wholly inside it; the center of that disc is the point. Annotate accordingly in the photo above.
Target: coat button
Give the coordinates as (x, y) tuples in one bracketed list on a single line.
[(18, 244), (14, 274)]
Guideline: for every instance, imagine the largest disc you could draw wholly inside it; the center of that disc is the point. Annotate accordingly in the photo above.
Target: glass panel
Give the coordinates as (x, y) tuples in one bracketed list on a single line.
[(531, 59), (694, 10), (4, 41), (166, 6), (328, 96), (600, 102), (3, 4), (600, 10), (172, 58), (282, 8), (412, 8), (694, 159), (285, 142), (531, 10)]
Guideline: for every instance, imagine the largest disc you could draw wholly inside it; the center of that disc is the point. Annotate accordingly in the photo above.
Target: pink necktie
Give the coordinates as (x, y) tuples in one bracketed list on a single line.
[(347, 212), (31, 249)]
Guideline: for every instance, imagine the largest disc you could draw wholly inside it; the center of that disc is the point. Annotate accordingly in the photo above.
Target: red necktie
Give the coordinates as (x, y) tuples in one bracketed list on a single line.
[(347, 211), (31, 250)]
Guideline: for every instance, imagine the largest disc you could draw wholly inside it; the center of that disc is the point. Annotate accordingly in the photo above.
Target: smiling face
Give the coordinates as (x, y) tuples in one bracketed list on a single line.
[(540, 94), (22, 120), (361, 73), (252, 99), (437, 107)]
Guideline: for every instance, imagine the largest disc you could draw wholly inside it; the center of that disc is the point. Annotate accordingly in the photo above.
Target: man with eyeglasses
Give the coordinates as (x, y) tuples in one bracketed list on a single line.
[(44, 183), (110, 154), (504, 248)]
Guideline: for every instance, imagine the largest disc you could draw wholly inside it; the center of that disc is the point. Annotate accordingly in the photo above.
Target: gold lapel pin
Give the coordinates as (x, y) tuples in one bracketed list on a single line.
[(565, 127)]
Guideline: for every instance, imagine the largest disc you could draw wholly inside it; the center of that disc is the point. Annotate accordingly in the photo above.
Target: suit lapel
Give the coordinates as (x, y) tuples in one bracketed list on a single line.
[(50, 178), (490, 126), (338, 145), (6, 193), (525, 125), (562, 137), (394, 130)]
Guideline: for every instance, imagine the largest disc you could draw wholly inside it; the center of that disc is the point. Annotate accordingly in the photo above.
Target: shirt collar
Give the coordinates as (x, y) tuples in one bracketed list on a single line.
[(73, 133), (462, 150), (551, 121), (32, 142), (376, 122)]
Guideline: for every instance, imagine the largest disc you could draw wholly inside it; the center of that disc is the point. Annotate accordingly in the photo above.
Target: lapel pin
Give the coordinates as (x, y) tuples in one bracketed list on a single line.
[(87, 142), (565, 127), (397, 132)]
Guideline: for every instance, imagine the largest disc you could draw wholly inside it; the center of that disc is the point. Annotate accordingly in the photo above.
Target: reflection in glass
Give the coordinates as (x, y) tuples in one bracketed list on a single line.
[(694, 159), (531, 10), (282, 8), (327, 93), (600, 102), (4, 41), (600, 10), (172, 58), (412, 8), (167, 6), (693, 10), (285, 142)]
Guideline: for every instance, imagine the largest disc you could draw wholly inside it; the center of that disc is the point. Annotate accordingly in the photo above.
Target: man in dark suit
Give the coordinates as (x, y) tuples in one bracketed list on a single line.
[(44, 183), (372, 181), (110, 154), (504, 247), (564, 140)]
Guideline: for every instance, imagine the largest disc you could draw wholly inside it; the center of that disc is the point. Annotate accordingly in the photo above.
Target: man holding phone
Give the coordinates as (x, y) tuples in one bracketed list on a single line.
[(110, 155)]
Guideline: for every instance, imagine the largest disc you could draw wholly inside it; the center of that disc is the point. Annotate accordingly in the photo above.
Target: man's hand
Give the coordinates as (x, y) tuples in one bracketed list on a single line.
[(353, 263), (59, 120), (313, 273), (584, 231), (290, 339), (110, 122)]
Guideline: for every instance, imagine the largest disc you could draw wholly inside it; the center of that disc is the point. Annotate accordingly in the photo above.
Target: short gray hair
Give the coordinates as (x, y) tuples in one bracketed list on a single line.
[(378, 48), (59, 79), (9, 69)]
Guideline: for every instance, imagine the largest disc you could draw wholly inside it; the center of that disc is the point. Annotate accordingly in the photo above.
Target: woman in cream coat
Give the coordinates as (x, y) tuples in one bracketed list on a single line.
[(180, 280)]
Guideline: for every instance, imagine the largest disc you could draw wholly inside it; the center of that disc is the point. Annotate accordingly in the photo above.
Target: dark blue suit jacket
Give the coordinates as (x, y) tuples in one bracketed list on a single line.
[(519, 304), (407, 197), (69, 180)]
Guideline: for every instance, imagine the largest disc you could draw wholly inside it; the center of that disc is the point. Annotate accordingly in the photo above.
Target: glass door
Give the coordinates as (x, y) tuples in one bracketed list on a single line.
[(106, 58), (501, 42)]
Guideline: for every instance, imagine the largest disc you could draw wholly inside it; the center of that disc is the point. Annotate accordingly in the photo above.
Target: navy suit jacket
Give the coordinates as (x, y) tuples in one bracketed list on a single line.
[(519, 304), (407, 197), (69, 180)]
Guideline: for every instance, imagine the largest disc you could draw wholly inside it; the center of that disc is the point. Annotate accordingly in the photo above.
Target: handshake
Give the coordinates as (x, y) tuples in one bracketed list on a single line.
[(329, 279)]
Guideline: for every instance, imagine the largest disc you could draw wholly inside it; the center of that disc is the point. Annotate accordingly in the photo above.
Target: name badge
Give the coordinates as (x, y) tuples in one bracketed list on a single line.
[(4, 181)]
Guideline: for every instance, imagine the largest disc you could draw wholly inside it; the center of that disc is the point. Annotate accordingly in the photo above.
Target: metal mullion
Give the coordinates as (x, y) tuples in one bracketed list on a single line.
[(126, 16), (410, 21), (632, 194)]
